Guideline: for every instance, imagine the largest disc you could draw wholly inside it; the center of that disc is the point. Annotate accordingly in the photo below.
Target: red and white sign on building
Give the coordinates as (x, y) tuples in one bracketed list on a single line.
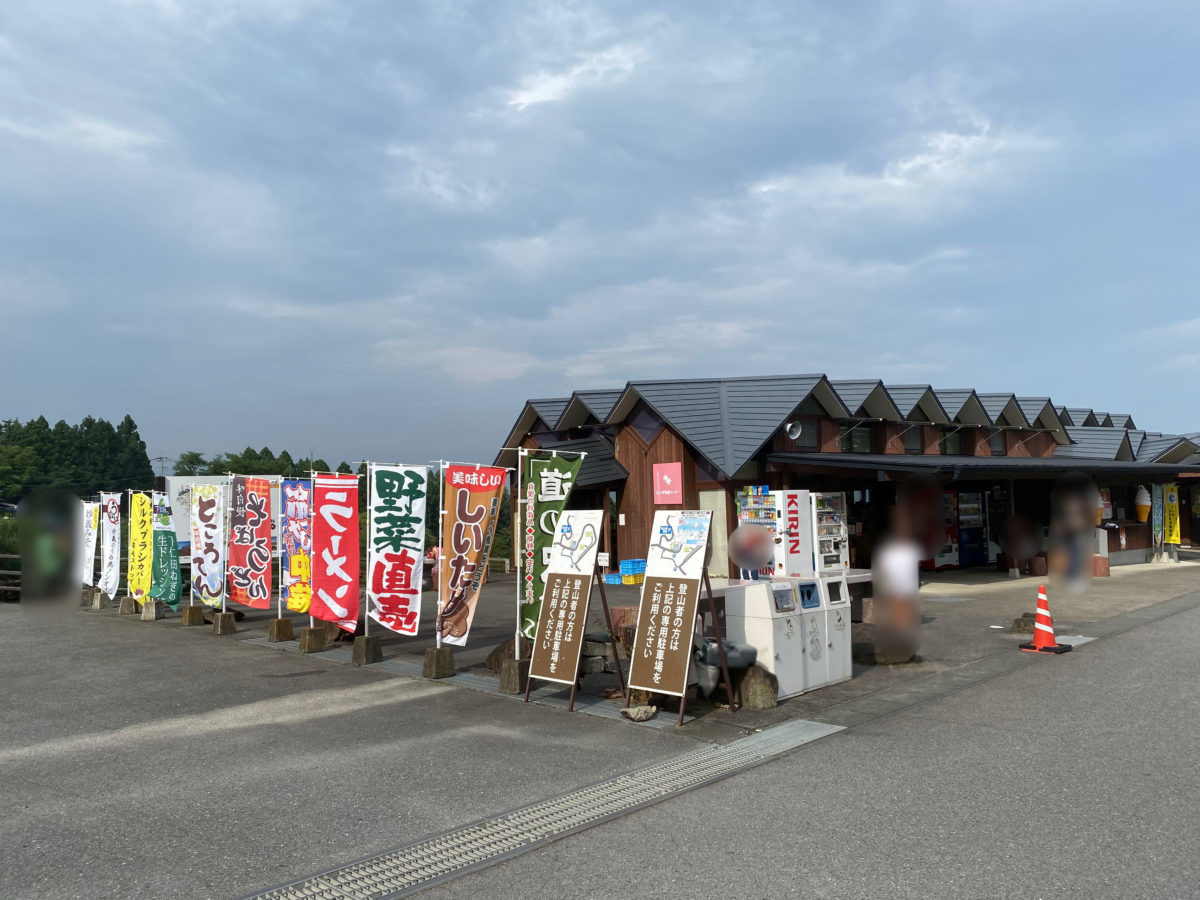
[(668, 483)]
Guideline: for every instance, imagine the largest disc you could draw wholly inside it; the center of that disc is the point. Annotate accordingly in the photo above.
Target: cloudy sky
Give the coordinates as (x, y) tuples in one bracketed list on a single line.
[(371, 229)]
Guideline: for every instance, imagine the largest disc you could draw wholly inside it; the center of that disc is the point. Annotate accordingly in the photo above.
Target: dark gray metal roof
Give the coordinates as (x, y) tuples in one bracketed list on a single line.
[(1121, 420), (550, 409), (1033, 407), (1082, 417), (1064, 415), (854, 394), (599, 402), (970, 467), (1153, 447), (1098, 443), (1103, 419), (956, 401), (600, 466), (995, 404), (907, 397), (728, 420)]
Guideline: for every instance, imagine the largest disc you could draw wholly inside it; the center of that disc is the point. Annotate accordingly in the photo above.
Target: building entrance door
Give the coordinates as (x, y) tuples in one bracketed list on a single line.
[(719, 536)]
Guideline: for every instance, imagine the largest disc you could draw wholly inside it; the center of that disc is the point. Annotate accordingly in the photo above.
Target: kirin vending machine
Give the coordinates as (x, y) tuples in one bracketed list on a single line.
[(811, 535)]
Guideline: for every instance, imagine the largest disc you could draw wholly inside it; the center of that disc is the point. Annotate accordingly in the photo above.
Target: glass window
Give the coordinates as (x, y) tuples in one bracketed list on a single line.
[(809, 436), (950, 443), (996, 442), (913, 442), (856, 438)]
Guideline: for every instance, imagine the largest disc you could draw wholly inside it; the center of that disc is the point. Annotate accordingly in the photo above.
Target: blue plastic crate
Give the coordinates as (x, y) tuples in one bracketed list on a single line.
[(633, 566), (612, 578)]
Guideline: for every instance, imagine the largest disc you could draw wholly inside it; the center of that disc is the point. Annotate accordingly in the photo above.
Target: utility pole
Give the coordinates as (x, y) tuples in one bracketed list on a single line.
[(161, 460)]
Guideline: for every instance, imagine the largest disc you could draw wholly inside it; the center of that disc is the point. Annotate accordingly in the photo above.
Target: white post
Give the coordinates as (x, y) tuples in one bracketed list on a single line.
[(191, 540), (437, 631), (367, 558), (517, 532), (228, 534), (279, 519), (312, 527), (129, 545)]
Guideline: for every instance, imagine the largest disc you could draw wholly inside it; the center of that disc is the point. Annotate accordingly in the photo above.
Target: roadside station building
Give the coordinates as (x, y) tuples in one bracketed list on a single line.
[(858, 437)]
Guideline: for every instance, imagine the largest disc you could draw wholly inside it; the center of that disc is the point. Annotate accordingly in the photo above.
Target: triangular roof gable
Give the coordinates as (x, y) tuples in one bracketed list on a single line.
[(550, 409), (1039, 412), (1121, 420), (1081, 417), (585, 404), (1064, 415), (912, 398), (867, 398), (1104, 420), (727, 421), (1167, 448), (963, 407), (1004, 409), (522, 427)]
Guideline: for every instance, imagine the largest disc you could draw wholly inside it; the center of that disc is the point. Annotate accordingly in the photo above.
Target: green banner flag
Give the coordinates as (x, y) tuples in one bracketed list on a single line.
[(546, 482), (166, 582)]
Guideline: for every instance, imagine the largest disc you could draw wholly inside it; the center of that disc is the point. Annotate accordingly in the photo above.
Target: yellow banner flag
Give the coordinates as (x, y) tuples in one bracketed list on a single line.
[(141, 546), (1171, 514)]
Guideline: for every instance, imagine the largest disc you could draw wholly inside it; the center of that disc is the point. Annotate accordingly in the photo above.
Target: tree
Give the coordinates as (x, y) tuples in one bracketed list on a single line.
[(344, 468), (190, 462)]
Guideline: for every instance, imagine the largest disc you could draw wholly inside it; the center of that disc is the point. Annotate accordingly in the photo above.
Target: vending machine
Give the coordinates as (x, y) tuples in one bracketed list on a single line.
[(812, 539), (972, 528), (947, 551), (800, 632)]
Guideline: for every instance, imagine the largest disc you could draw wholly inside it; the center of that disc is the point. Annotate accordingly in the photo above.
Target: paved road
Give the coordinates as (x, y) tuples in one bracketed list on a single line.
[(1075, 777)]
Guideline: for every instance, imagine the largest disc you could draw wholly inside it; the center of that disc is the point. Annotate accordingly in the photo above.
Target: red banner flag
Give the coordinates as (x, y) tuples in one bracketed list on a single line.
[(250, 542), (335, 550)]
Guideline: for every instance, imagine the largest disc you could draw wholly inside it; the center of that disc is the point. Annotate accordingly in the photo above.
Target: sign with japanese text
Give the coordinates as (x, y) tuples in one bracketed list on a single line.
[(295, 544), (668, 483), (110, 543), (166, 583), (1171, 514), (335, 550), (87, 556), (249, 563), (1156, 516), (141, 546), (396, 545), (471, 504), (546, 484), (662, 646), (562, 617), (207, 544)]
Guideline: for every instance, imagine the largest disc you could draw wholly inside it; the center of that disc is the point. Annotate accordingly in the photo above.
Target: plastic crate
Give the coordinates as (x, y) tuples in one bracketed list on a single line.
[(612, 578), (633, 579), (633, 566)]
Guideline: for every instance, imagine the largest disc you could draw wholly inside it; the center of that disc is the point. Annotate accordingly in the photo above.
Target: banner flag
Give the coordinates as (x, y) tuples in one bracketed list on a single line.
[(295, 547), (471, 500), (1156, 522), (110, 544), (250, 542), (546, 482), (87, 556), (662, 646), (396, 545), (562, 621), (335, 550), (166, 583), (141, 547), (1171, 514), (208, 543)]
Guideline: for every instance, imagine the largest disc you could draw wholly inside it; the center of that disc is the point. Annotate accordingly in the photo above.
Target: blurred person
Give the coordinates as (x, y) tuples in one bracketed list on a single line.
[(1072, 541), (896, 583)]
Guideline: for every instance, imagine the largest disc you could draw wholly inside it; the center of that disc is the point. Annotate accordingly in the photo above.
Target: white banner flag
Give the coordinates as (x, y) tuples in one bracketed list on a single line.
[(208, 543), (110, 543), (396, 545), (87, 558)]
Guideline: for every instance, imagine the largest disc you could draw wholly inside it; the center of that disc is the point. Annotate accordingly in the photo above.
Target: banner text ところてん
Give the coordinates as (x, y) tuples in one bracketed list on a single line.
[(208, 543), (335, 550), (295, 544), (250, 542), (396, 545), (546, 482), (471, 500)]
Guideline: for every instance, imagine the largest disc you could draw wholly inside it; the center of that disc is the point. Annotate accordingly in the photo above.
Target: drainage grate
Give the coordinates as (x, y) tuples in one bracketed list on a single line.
[(413, 868)]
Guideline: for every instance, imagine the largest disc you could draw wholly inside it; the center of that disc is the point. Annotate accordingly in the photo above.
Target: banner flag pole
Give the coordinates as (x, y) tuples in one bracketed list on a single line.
[(517, 532), (437, 629), (367, 558)]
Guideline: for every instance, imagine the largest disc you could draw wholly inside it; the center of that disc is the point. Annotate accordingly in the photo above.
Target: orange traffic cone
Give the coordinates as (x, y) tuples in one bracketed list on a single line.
[(1043, 629)]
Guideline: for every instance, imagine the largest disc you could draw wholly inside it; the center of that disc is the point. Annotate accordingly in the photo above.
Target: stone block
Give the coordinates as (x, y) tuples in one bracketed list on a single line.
[(1100, 566), (280, 630), (1023, 625), (758, 689), (367, 650), (501, 652), (313, 639), (589, 665), (868, 610), (597, 648), (513, 676), (192, 615), (128, 607), (439, 663), (628, 634), (224, 623), (85, 598), (100, 600), (153, 610)]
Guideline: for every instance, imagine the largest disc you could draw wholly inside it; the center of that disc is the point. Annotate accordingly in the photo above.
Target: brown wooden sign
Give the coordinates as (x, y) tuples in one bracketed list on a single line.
[(561, 624), (662, 647)]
